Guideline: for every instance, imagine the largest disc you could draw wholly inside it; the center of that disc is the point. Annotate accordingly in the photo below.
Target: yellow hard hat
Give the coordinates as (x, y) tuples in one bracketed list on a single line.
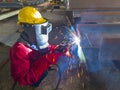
[(30, 15)]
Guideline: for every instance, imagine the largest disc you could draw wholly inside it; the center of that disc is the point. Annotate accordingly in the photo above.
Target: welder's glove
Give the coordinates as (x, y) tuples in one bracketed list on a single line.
[(61, 48), (44, 51), (62, 63)]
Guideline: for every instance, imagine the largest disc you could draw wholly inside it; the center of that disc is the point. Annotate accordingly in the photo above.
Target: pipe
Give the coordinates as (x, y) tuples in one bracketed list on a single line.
[(8, 14)]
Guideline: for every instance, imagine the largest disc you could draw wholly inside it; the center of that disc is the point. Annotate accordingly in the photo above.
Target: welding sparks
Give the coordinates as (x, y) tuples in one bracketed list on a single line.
[(78, 75), (79, 51), (72, 39), (77, 40)]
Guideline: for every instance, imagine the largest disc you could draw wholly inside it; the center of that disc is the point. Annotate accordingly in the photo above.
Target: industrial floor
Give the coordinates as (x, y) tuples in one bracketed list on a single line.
[(100, 72)]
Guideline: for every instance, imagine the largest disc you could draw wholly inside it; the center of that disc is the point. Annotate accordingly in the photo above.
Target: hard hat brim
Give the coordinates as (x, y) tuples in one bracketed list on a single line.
[(36, 21)]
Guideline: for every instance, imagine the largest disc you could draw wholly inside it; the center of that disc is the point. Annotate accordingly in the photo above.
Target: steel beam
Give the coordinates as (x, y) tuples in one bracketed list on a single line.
[(8, 14)]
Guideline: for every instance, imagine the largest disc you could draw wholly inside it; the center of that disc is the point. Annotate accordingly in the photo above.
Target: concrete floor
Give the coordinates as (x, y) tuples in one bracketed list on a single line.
[(100, 44)]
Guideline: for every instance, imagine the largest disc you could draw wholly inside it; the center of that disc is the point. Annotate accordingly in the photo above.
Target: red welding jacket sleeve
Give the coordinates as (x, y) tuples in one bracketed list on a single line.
[(25, 72)]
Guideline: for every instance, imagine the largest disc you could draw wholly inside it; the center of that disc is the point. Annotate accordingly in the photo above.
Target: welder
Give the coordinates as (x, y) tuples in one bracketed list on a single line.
[(32, 55)]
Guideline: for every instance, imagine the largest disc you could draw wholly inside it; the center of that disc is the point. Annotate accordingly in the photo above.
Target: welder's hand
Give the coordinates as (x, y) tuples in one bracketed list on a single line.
[(44, 51), (61, 48)]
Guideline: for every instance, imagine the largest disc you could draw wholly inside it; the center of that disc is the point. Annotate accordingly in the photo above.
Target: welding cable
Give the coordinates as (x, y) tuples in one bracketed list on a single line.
[(13, 86), (59, 78), (3, 64), (57, 69)]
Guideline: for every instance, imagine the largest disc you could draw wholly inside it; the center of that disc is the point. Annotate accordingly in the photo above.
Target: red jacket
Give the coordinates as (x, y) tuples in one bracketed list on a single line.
[(27, 65)]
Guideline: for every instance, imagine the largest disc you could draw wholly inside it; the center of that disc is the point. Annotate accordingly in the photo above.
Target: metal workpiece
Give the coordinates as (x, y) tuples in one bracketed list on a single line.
[(93, 5)]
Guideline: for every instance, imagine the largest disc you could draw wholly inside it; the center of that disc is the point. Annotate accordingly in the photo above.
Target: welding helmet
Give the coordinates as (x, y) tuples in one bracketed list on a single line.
[(42, 32), (30, 15), (36, 30)]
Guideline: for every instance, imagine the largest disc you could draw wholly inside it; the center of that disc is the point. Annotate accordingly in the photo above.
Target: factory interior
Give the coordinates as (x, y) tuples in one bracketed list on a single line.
[(96, 24)]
